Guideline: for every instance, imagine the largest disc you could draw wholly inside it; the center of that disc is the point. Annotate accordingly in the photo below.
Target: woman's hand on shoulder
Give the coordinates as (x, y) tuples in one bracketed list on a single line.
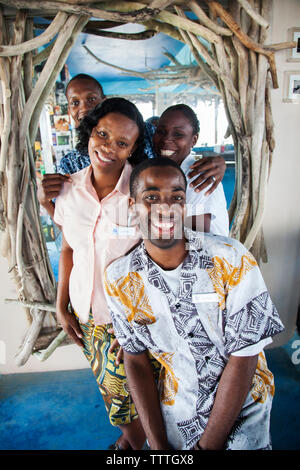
[(210, 171)]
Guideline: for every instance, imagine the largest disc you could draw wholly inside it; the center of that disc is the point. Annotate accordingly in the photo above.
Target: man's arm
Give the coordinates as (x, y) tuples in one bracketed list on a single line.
[(232, 391), (48, 189), (210, 170), (144, 392)]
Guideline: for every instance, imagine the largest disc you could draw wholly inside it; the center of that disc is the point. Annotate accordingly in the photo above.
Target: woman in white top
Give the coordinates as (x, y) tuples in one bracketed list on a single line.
[(175, 136)]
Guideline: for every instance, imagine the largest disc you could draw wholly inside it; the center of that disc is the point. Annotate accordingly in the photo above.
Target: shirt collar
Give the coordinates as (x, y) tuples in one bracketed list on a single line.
[(196, 253), (122, 185), (197, 250)]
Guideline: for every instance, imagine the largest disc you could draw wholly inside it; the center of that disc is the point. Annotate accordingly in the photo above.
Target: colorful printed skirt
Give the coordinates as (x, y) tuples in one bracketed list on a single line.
[(110, 377)]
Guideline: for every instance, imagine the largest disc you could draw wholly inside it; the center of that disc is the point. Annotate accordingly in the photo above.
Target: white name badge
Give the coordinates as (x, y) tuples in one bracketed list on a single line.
[(209, 297), (124, 231)]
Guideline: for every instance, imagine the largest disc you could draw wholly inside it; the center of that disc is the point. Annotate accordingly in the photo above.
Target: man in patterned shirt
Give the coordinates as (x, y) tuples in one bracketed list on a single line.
[(198, 303)]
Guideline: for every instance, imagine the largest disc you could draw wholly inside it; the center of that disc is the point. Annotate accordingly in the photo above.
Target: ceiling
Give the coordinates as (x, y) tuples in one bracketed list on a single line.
[(136, 55), (143, 55)]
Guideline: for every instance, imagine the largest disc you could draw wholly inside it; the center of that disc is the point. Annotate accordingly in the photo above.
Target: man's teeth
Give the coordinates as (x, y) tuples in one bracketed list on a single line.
[(167, 153), (163, 225)]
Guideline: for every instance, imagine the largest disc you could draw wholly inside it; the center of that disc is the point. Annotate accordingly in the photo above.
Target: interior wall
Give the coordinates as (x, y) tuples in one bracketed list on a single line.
[(282, 214), (281, 226), (13, 326)]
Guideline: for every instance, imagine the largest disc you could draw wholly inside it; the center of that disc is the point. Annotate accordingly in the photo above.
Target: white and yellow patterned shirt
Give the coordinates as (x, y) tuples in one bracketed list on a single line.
[(222, 306)]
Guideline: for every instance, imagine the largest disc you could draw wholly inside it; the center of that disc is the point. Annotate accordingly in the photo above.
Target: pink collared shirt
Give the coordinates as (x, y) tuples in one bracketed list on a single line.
[(98, 233)]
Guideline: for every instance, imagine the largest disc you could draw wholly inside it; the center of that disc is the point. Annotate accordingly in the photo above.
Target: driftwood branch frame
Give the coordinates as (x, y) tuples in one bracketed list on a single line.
[(237, 62)]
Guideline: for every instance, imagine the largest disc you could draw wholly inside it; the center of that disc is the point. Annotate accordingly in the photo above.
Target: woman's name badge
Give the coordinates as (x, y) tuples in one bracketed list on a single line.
[(209, 297), (123, 231)]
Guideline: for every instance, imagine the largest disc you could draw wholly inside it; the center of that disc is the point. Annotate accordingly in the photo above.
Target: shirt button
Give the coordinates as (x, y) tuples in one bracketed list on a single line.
[(191, 335), (177, 305)]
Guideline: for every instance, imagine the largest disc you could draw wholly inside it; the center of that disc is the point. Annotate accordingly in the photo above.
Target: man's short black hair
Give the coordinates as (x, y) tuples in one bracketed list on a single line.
[(84, 76), (157, 162)]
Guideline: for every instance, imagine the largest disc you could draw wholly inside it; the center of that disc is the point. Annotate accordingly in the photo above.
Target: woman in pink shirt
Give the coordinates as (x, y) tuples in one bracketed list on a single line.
[(92, 210)]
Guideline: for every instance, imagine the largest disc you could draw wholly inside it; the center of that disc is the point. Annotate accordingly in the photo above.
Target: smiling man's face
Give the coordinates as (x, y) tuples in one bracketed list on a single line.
[(160, 205), (83, 95)]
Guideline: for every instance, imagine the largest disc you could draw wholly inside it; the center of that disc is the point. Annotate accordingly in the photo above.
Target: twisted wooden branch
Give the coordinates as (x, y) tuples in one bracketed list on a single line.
[(13, 162), (44, 354), (63, 37), (81, 21), (256, 225), (188, 25), (39, 41), (6, 94), (164, 28), (38, 305), (244, 38), (253, 13), (220, 71), (195, 7), (142, 14), (126, 36), (169, 74)]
